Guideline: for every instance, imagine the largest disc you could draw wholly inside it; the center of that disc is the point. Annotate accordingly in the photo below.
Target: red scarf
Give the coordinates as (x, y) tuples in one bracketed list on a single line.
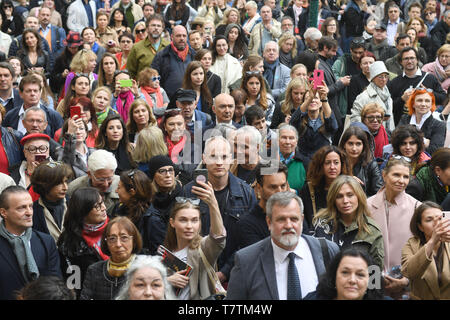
[(175, 148), (381, 139), (147, 91), (181, 54), (92, 234), (121, 108)]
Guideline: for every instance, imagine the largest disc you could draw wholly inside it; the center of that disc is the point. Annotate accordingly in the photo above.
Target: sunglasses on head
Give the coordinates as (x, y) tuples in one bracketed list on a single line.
[(195, 202), (399, 157)]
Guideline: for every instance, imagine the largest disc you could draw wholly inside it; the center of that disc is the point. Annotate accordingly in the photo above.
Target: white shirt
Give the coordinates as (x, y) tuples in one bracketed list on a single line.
[(305, 267)]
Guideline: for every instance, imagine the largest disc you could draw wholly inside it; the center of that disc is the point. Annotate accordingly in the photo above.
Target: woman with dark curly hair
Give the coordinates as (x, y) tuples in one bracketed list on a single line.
[(119, 22), (177, 14), (347, 278)]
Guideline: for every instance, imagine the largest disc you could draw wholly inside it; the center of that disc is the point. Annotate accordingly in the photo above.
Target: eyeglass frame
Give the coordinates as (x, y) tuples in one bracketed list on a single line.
[(98, 205), (102, 180), (140, 31), (192, 201), (40, 151), (399, 157), (110, 241), (165, 171), (155, 78), (378, 118)]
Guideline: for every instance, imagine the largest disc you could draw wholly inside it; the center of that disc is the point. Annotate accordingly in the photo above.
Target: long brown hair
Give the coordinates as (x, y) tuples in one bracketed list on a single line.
[(263, 103), (204, 89), (171, 242), (140, 201), (315, 173)]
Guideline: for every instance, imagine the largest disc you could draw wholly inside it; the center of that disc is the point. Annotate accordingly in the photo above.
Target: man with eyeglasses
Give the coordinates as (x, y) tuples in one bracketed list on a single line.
[(143, 52), (403, 85), (393, 63), (186, 102), (430, 19), (287, 26), (101, 167), (30, 90), (392, 22), (234, 196)]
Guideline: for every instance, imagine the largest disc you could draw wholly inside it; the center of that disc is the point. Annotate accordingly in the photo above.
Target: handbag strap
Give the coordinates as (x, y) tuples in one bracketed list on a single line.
[(313, 196), (209, 269)]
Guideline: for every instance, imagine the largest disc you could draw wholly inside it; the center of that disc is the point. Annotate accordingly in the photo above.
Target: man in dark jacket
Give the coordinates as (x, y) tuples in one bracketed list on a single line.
[(379, 45), (11, 148), (30, 90), (25, 254), (234, 196), (171, 63), (9, 96), (440, 31), (185, 101)]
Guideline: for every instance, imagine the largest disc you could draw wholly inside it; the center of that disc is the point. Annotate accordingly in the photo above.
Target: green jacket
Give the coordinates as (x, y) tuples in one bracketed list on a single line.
[(142, 55), (296, 174), (340, 70)]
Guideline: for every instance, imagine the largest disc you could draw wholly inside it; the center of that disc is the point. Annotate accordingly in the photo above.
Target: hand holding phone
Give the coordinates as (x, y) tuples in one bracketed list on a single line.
[(317, 78), (40, 157), (75, 111), (126, 83)]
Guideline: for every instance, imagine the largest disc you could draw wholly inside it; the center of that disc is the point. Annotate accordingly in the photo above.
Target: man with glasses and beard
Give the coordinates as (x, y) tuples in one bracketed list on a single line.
[(143, 52), (101, 167), (284, 266)]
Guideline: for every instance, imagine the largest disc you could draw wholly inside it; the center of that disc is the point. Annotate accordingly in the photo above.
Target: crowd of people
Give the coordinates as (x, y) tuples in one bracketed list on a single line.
[(275, 150)]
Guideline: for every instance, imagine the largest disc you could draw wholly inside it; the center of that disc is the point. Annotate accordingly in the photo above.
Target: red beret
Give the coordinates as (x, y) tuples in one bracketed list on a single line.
[(34, 136)]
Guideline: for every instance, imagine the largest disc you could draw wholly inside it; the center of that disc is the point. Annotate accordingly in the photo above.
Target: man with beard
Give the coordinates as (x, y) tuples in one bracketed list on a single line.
[(284, 266), (172, 61), (143, 52)]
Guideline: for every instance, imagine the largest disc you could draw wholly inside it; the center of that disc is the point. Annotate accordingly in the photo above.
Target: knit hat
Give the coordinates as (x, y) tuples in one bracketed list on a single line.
[(376, 69), (157, 162)]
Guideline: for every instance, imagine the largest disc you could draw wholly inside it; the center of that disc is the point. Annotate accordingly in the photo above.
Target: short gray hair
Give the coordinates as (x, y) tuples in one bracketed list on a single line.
[(251, 4), (144, 261), (102, 159), (286, 126), (252, 132), (215, 138), (313, 34), (35, 109), (282, 199), (271, 42)]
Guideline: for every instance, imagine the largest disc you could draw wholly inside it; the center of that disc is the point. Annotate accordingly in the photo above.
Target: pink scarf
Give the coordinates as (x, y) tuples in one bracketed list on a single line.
[(121, 108)]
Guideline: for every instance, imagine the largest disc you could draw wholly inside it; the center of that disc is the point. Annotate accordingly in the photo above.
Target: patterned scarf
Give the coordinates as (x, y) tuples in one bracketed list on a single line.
[(181, 54), (22, 250), (101, 116), (92, 234), (122, 109), (118, 269)]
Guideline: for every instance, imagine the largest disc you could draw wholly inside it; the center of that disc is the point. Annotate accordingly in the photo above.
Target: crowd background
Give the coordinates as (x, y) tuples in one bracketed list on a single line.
[(101, 106)]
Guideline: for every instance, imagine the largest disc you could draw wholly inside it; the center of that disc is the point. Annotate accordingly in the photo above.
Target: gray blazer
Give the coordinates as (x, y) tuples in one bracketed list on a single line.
[(281, 80), (253, 275)]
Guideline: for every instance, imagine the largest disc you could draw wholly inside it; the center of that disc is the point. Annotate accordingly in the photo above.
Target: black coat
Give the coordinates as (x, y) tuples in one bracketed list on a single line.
[(45, 254), (439, 35), (253, 227), (321, 202), (99, 285), (433, 129), (371, 177), (214, 84)]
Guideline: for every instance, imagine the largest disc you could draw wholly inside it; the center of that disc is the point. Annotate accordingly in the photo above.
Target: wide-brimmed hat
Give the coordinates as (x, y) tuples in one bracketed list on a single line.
[(73, 40)]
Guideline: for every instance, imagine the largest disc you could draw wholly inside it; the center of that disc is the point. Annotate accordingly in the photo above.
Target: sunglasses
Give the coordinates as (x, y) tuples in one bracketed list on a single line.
[(374, 118), (252, 73), (195, 202), (131, 175), (399, 157), (156, 78), (140, 31)]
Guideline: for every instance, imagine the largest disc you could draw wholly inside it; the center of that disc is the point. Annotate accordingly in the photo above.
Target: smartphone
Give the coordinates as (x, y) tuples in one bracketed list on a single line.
[(200, 175), (318, 78), (40, 157), (75, 111), (126, 83)]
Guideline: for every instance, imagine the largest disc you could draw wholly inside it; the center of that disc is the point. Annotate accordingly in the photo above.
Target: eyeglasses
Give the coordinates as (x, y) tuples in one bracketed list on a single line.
[(374, 118), (102, 180), (195, 202), (166, 171), (80, 74), (399, 157), (140, 31), (53, 164), (383, 77), (98, 205), (252, 73), (34, 149), (429, 13), (122, 238), (7, 7), (131, 175), (156, 78)]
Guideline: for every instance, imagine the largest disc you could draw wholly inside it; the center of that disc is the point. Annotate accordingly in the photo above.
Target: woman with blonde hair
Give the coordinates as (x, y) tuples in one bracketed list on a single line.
[(288, 49), (140, 116), (439, 66), (231, 15), (84, 61), (139, 31), (185, 241), (149, 143), (101, 99), (295, 94), (346, 219)]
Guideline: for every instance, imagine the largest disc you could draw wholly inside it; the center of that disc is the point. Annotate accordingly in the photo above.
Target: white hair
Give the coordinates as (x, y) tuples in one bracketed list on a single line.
[(144, 261), (273, 43), (286, 126), (35, 109), (102, 159), (214, 139), (251, 4), (252, 132), (313, 34)]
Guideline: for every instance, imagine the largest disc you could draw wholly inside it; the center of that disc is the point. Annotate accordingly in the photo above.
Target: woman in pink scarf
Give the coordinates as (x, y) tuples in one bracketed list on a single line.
[(126, 91), (440, 68)]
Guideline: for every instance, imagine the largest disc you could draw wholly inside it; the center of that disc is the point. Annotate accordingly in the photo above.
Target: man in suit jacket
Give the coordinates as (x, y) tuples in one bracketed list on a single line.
[(276, 73), (55, 34), (185, 100), (9, 96), (262, 271), (327, 49), (25, 254)]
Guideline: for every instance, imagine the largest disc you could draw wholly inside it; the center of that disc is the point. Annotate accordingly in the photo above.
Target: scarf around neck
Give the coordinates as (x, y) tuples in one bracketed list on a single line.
[(147, 91), (56, 209), (181, 54), (269, 71), (382, 93), (22, 250), (118, 269), (92, 234), (101, 116), (122, 109), (439, 71)]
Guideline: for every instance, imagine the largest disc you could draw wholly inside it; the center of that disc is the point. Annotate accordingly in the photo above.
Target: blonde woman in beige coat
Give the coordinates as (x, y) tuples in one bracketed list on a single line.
[(184, 240)]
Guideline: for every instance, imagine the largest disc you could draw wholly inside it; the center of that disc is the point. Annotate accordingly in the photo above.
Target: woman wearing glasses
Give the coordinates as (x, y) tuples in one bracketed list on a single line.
[(372, 116), (184, 240), (149, 85), (421, 106), (140, 31), (79, 245), (113, 137), (377, 91), (392, 209), (121, 241), (438, 68), (12, 22), (126, 41), (50, 180)]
